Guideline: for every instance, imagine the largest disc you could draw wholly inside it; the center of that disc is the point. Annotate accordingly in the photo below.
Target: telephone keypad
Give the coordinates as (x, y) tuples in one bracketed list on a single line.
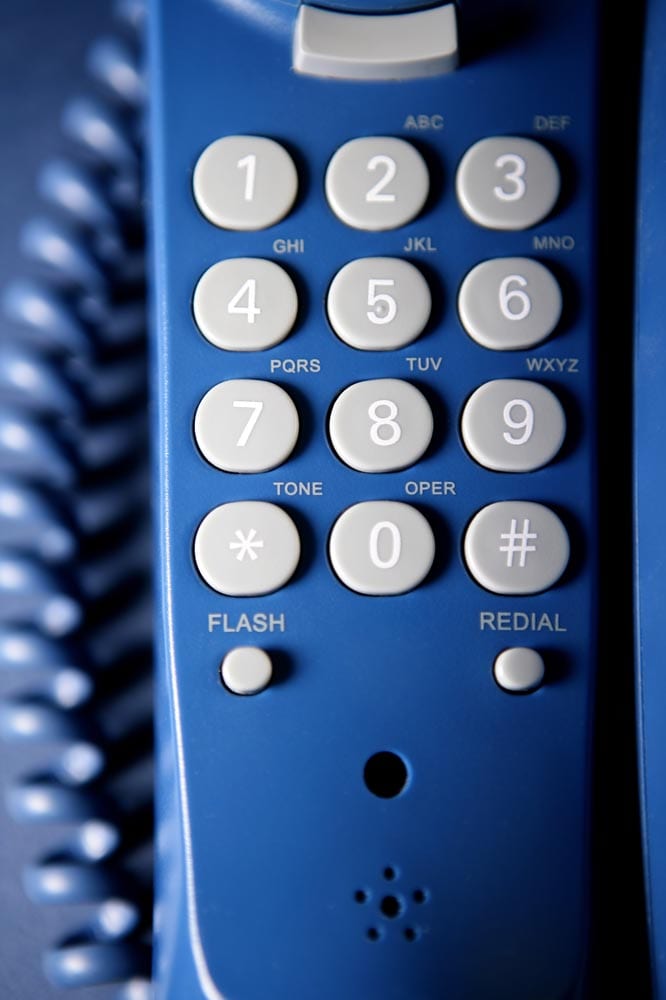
[(513, 425), (245, 182), (245, 304), (381, 547), (380, 425), (509, 303), (506, 182), (377, 183), (247, 548), (378, 303), (516, 547), (246, 425)]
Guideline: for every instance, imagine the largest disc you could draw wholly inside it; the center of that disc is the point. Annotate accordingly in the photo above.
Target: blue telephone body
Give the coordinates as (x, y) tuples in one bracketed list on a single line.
[(384, 819)]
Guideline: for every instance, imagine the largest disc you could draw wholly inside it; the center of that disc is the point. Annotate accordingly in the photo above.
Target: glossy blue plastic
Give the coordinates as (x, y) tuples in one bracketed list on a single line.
[(650, 482), (267, 836)]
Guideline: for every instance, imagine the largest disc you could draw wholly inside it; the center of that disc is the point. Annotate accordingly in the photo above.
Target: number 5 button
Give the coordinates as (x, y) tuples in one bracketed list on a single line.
[(513, 425), (246, 425), (381, 547), (507, 183)]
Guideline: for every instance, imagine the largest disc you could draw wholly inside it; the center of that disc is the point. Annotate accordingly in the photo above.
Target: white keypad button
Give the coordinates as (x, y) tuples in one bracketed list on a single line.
[(519, 670), (246, 670), (513, 425), (245, 304), (509, 303), (381, 547), (377, 183), (246, 548), (380, 425), (378, 303), (507, 183), (246, 425), (245, 182), (516, 547)]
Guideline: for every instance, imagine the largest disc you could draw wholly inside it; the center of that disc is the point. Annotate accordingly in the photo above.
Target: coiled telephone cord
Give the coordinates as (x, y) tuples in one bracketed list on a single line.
[(74, 535)]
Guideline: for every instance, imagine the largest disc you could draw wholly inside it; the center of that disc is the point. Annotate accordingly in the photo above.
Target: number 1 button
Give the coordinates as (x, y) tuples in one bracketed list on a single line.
[(244, 182)]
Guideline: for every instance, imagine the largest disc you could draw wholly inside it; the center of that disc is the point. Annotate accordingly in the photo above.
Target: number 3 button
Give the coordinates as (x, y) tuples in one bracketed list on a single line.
[(246, 425), (381, 547), (507, 183)]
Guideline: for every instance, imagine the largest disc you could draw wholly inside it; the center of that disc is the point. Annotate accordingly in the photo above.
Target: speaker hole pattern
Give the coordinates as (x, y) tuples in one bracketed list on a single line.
[(393, 907)]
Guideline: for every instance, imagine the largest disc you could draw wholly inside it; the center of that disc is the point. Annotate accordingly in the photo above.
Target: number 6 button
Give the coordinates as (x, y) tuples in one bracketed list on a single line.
[(381, 547), (507, 183), (513, 425), (246, 425), (509, 303)]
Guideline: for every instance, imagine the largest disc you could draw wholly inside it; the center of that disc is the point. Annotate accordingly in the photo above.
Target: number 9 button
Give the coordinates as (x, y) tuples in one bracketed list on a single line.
[(513, 425), (380, 425)]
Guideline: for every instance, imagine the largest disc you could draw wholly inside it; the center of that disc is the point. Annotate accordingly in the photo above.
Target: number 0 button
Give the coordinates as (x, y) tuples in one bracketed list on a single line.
[(377, 183), (244, 182), (245, 304), (381, 547), (246, 425), (246, 548), (507, 183)]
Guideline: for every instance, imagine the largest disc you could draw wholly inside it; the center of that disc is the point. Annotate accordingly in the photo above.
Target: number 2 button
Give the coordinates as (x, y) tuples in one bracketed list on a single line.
[(377, 183)]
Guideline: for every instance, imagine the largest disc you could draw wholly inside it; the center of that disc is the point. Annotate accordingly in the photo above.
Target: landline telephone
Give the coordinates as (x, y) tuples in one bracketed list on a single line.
[(378, 282)]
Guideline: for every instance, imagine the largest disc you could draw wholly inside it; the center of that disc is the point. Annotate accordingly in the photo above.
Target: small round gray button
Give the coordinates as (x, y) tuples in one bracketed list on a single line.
[(510, 303), (378, 303), (244, 182), (507, 183), (516, 547), (246, 548), (513, 425), (519, 669), (381, 547), (377, 183), (380, 425), (246, 670), (246, 425), (245, 304)]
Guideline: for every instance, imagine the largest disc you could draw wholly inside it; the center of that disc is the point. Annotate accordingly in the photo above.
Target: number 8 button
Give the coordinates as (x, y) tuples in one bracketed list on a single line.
[(380, 425)]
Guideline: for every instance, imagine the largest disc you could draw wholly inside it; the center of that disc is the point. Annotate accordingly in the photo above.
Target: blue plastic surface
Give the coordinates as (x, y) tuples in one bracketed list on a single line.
[(650, 481), (265, 828)]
